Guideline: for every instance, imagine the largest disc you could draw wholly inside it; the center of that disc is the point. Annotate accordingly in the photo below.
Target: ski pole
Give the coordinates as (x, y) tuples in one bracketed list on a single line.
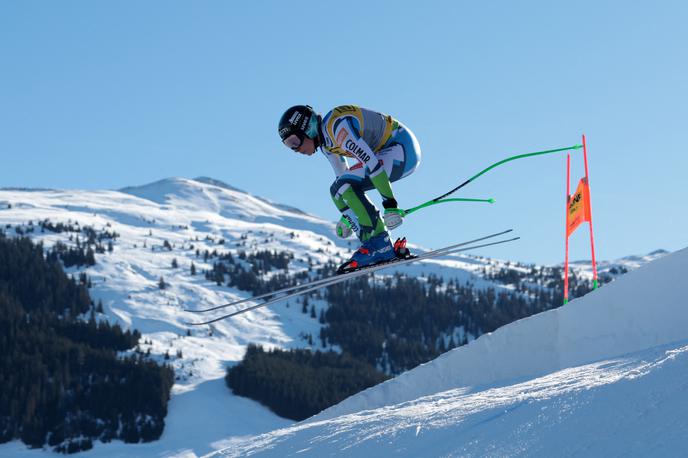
[(441, 199)]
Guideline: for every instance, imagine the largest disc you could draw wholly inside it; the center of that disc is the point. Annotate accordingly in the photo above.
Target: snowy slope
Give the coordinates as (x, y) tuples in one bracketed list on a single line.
[(605, 375), (201, 214)]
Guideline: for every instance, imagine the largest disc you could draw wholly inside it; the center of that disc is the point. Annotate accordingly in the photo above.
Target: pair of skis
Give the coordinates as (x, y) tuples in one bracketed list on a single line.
[(293, 291)]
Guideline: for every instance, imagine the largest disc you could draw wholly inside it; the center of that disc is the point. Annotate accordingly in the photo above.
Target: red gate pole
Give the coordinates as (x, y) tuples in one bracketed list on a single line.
[(566, 227), (592, 240)]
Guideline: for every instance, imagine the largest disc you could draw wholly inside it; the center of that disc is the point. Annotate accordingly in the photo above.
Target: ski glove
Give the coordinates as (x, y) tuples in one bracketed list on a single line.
[(343, 229), (393, 218)]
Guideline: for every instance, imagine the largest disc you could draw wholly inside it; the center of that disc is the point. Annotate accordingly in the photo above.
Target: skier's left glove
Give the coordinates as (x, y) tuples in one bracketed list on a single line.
[(393, 215), (343, 228)]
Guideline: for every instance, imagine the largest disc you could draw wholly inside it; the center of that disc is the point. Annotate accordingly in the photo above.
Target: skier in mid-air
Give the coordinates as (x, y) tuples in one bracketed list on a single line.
[(385, 151)]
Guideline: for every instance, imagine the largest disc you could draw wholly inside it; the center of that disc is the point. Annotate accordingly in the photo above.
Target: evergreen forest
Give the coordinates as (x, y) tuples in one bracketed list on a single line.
[(62, 381), (387, 325)]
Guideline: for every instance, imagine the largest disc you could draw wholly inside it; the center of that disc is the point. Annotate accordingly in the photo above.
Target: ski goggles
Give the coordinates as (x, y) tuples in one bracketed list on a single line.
[(293, 141)]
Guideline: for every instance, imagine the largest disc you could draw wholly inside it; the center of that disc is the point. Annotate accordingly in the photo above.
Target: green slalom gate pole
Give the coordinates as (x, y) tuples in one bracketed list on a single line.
[(441, 199)]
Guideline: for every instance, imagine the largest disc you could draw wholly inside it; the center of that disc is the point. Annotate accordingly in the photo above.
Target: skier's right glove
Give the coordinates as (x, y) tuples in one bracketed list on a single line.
[(393, 215), (343, 229), (393, 218)]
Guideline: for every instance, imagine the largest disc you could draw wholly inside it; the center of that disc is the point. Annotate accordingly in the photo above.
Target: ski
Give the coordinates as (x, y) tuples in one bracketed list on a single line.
[(339, 276), (338, 279)]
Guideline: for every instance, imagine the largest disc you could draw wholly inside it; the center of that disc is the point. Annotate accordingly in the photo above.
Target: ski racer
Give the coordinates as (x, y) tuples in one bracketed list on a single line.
[(381, 149)]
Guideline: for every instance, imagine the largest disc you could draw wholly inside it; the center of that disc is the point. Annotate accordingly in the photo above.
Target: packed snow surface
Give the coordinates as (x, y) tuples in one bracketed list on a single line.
[(605, 375)]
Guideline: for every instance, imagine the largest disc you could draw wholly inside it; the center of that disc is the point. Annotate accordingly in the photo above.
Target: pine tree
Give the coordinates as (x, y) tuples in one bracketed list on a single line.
[(90, 257)]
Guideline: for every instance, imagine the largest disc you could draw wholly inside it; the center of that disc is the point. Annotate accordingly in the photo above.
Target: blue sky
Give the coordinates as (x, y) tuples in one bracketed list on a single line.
[(110, 94)]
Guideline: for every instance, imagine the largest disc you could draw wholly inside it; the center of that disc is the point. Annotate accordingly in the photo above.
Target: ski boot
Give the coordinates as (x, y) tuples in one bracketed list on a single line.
[(373, 251)]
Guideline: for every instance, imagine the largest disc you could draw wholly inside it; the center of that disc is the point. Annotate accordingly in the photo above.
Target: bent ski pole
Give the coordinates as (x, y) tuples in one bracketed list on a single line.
[(439, 199), (442, 201)]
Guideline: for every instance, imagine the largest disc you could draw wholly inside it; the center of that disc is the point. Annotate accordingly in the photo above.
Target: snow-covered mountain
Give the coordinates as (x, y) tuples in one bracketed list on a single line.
[(604, 375), (171, 223)]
